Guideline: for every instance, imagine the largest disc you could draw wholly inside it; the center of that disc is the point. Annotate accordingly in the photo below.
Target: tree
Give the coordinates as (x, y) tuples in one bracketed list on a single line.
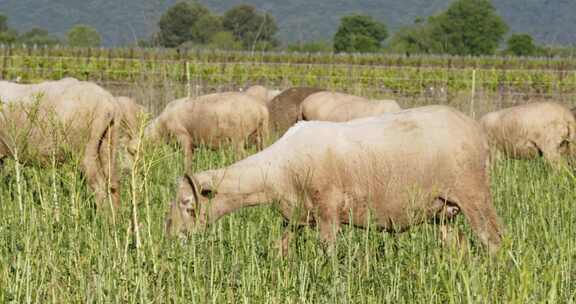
[(3, 23), (206, 27), (359, 33), (224, 41), (82, 35), (521, 45), (468, 27), (37, 36), (7, 35), (414, 39), (253, 29), (177, 24)]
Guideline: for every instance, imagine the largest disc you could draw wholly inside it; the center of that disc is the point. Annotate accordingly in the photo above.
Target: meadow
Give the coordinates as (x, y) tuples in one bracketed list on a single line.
[(56, 248)]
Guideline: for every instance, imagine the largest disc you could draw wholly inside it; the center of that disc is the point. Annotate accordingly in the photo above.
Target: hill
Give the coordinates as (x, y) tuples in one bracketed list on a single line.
[(124, 21)]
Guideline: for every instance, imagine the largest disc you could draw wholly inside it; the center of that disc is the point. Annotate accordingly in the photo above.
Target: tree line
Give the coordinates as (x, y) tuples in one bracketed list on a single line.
[(466, 27), (80, 35), (190, 24)]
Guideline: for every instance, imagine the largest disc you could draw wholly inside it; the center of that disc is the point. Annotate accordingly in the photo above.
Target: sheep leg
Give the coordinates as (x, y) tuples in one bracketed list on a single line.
[(328, 232), (107, 153), (283, 245), (444, 213), (259, 140), (451, 237), (327, 217), (92, 163), (93, 176), (291, 230), (186, 144), (239, 148), (481, 216), (262, 135), (552, 155)]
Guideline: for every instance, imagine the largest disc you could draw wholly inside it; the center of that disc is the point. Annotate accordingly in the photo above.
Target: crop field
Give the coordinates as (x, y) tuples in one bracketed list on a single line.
[(435, 79), (56, 248)]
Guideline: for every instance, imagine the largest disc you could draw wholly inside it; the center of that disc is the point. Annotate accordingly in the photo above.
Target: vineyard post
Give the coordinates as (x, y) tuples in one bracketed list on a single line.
[(472, 112), (5, 61), (109, 66), (61, 69), (196, 79), (188, 78)]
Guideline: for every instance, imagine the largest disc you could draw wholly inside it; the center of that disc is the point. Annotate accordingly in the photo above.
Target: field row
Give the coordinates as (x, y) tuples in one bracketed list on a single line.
[(443, 61), (379, 80)]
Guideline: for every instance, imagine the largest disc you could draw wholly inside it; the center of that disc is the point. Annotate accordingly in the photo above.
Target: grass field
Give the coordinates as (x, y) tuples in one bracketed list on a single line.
[(55, 248)]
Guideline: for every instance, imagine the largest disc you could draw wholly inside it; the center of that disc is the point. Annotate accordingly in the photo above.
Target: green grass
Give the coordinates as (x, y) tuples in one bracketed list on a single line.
[(74, 255)]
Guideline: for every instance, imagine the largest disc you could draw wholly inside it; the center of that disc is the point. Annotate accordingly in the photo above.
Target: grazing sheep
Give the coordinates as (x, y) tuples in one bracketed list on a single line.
[(395, 170), (48, 121), (213, 120), (530, 130), (285, 108), (262, 93), (339, 107)]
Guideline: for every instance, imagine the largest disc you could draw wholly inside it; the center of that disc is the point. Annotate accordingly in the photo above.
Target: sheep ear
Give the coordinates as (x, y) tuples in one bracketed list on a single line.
[(193, 186)]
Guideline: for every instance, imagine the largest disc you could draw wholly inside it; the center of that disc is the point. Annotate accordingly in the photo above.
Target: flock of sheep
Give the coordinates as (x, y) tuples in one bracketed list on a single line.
[(341, 159)]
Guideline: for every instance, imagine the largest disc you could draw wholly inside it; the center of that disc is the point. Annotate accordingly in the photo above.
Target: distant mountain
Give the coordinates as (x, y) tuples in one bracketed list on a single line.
[(123, 21)]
